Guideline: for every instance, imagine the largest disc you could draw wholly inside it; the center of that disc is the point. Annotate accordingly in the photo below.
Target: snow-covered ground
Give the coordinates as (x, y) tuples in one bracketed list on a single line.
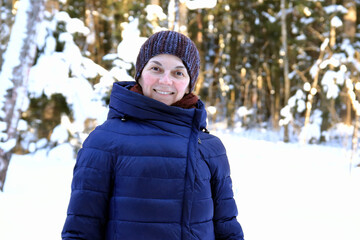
[(293, 191), (36, 192), (283, 192)]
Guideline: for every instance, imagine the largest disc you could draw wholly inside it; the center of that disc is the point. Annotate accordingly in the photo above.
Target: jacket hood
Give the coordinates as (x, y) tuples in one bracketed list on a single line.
[(128, 104)]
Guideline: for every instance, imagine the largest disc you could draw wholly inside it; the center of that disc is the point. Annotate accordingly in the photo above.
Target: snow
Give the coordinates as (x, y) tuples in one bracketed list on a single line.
[(269, 17), (324, 44), (62, 17), (12, 53), (285, 112), (283, 191), (51, 70), (334, 61), (22, 125), (336, 22), (37, 189), (154, 12), (41, 143), (60, 134), (200, 4), (314, 70), (312, 131), (348, 47), (335, 8), (301, 37), (76, 25), (307, 12), (293, 191), (330, 82), (243, 111), (129, 48), (307, 87), (2, 126), (51, 73), (301, 106), (8, 145), (306, 20)]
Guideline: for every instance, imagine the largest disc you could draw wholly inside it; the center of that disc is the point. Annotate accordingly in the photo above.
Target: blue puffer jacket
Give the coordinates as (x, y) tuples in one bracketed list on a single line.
[(149, 172)]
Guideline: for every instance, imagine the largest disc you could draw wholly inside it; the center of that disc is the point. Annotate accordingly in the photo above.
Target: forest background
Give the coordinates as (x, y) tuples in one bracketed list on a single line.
[(291, 67)]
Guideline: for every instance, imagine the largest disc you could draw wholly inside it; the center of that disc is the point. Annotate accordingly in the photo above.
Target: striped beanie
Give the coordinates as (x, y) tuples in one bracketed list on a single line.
[(174, 43)]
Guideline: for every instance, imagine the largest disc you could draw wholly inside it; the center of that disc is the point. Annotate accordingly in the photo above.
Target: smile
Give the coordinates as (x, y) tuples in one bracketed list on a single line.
[(162, 92)]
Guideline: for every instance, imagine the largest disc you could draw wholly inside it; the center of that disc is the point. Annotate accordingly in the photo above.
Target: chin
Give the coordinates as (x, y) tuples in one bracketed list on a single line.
[(167, 103)]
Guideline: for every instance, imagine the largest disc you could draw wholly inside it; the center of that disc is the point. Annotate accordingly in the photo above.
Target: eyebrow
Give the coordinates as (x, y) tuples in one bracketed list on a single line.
[(158, 63)]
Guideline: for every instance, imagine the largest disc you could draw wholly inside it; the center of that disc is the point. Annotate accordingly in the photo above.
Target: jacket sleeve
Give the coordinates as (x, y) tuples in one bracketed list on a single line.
[(90, 192), (226, 225)]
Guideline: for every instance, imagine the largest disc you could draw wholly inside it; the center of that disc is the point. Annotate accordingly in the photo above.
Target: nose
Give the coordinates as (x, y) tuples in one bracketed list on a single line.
[(166, 79)]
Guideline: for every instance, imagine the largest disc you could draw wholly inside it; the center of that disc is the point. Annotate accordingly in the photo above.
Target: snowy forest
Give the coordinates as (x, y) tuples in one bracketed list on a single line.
[(284, 71), (286, 66)]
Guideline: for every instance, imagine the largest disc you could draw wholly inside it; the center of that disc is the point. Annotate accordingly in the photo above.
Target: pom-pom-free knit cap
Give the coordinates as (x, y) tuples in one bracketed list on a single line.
[(174, 43)]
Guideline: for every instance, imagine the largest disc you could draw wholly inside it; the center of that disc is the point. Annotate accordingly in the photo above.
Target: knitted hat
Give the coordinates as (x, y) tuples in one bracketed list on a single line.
[(174, 43)]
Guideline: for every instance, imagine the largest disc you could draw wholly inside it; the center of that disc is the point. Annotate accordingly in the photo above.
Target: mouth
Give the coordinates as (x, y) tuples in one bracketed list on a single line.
[(163, 92)]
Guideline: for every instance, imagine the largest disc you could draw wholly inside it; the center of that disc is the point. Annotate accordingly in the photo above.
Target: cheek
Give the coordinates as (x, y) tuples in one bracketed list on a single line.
[(182, 86), (146, 80)]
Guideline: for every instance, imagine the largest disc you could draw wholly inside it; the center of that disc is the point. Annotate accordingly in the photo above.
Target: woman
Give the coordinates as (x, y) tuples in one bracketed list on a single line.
[(152, 171)]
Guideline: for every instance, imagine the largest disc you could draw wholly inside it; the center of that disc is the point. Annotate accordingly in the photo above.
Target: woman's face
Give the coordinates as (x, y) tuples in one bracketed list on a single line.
[(165, 79)]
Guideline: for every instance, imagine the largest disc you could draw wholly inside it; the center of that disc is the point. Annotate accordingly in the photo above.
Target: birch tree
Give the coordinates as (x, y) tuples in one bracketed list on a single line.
[(6, 21), (18, 59)]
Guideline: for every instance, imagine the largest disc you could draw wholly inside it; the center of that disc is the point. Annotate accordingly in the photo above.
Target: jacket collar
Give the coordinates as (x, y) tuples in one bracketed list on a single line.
[(126, 103)]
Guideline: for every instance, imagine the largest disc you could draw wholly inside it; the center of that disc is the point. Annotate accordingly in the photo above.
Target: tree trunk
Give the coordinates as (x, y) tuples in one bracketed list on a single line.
[(52, 6), (246, 101), (271, 95), (16, 76), (354, 141), (5, 27), (350, 19), (314, 86), (93, 22), (349, 32), (171, 14), (286, 64), (277, 99), (199, 43), (155, 20), (231, 109), (234, 45), (183, 16)]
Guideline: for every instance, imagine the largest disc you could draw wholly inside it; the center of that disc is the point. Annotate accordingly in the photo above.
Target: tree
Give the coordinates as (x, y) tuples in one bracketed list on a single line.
[(15, 76), (258, 58), (6, 21), (286, 62)]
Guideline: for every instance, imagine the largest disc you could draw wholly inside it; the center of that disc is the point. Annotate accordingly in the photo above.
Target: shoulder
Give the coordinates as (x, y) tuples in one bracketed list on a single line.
[(108, 135), (213, 152), (211, 145)]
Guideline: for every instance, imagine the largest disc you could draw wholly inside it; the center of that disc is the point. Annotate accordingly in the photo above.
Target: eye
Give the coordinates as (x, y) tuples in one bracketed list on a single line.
[(155, 68), (180, 74)]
